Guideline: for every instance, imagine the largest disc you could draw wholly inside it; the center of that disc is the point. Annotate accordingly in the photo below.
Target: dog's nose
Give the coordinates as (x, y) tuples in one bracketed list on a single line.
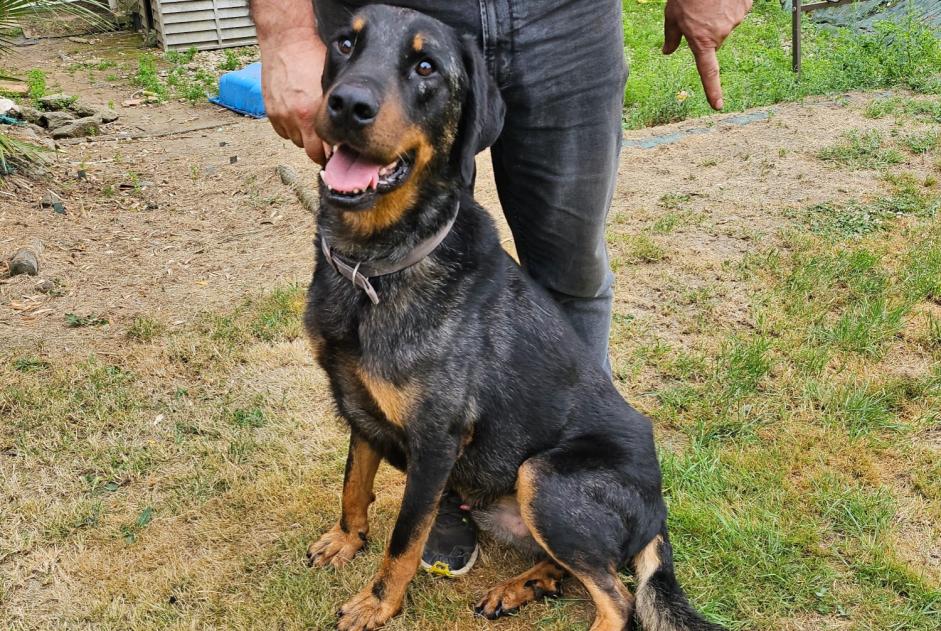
[(353, 105)]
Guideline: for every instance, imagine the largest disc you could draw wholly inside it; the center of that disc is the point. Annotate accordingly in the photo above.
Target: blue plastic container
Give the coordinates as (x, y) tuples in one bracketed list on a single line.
[(240, 91)]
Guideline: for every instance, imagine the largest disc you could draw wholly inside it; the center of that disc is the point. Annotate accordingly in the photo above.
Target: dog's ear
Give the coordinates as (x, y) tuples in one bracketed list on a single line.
[(481, 114)]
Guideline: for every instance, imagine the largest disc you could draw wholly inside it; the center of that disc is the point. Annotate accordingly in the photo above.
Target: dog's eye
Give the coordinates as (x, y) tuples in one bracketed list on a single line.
[(345, 45), (425, 68)]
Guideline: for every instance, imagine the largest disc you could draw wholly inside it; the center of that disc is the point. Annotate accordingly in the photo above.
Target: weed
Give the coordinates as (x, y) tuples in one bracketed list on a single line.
[(147, 77), (643, 249), (74, 321), (250, 418), (30, 364), (674, 201), (861, 150), (181, 57), (132, 530), (882, 107), (231, 61), (667, 223), (144, 329), (854, 219), (36, 83), (920, 143)]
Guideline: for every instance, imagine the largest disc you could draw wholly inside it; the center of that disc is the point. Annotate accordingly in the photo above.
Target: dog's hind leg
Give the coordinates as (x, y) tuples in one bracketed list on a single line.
[(568, 518)]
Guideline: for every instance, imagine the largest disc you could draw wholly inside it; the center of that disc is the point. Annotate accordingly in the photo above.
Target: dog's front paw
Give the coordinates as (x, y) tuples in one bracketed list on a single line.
[(335, 547), (366, 611)]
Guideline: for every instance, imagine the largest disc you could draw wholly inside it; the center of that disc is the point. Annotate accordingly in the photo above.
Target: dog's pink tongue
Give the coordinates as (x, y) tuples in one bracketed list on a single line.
[(347, 171)]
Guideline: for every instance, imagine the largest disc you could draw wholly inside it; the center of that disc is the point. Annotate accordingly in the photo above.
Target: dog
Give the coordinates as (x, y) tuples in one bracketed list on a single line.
[(451, 364)]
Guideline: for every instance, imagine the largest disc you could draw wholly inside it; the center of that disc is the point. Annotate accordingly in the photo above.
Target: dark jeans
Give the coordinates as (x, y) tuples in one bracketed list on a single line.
[(560, 67)]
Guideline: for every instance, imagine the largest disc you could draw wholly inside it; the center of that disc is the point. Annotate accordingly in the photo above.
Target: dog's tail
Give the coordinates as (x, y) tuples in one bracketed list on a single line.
[(661, 604)]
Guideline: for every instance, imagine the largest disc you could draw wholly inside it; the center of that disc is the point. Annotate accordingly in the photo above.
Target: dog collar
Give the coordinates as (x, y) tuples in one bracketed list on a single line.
[(360, 273)]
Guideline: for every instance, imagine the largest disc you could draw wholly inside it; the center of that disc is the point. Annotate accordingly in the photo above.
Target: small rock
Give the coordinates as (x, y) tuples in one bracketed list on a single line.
[(54, 120), (106, 115), (50, 199), (79, 40), (9, 108), (31, 114), (233, 159), (56, 102), (82, 110), (151, 206), (45, 286), (26, 260), (88, 126)]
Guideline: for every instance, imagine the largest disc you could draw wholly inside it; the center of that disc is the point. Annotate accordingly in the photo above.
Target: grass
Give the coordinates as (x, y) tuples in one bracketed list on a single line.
[(861, 150), (172, 476), (187, 476), (756, 65)]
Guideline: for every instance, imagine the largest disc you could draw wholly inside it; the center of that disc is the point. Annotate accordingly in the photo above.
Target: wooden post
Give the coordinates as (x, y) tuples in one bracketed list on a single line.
[(796, 11)]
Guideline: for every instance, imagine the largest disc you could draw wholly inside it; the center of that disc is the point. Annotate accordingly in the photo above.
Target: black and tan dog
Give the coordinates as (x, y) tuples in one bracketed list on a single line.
[(447, 361)]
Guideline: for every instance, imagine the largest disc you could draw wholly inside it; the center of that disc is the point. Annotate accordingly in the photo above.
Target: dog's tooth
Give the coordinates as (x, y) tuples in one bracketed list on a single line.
[(373, 182)]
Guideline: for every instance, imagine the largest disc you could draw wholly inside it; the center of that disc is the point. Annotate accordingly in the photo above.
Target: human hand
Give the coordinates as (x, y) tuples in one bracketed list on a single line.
[(290, 80), (705, 24)]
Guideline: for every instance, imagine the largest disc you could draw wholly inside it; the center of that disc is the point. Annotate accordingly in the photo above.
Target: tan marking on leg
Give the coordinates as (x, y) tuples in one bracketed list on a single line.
[(357, 487), (341, 543), (366, 610), (396, 402), (418, 42), (543, 580), (611, 615), (358, 23)]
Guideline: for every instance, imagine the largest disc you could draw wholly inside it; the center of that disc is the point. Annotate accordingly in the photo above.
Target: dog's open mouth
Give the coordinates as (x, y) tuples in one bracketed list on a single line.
[(352, 178)]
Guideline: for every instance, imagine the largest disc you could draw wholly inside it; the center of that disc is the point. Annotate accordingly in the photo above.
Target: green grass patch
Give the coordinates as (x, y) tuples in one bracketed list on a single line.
[(854, 219), (861, 150), (145, 329), (756, 63), (148, 78), (36, 83), (640, 248), (921, 142)]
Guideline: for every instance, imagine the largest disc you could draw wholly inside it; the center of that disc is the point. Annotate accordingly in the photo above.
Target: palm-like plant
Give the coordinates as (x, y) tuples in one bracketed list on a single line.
[(12, 13)]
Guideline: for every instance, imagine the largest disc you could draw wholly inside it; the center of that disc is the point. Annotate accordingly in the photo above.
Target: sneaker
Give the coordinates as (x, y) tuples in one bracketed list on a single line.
[(452, 547)]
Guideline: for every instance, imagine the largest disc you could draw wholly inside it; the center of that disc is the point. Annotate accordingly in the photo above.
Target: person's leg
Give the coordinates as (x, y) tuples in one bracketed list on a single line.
[(556, 160)]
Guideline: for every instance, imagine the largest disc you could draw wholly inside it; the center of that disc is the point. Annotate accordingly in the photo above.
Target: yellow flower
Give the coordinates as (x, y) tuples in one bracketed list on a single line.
[(681, 96)]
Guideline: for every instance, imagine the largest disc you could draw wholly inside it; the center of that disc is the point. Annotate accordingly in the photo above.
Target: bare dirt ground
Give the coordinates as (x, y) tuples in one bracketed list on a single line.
[(170, 226), (173, 227)]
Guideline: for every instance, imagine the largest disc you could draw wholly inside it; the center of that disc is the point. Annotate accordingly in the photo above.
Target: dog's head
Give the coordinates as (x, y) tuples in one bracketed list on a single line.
[(407, 105)]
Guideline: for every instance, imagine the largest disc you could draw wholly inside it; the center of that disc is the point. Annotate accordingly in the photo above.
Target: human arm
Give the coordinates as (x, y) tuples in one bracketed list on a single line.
[(292, 60)]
